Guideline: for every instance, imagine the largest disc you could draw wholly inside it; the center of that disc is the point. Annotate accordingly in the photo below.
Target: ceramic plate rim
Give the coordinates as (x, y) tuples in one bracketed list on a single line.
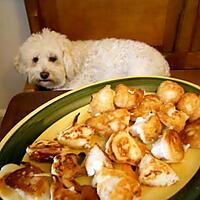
[(111, 81)]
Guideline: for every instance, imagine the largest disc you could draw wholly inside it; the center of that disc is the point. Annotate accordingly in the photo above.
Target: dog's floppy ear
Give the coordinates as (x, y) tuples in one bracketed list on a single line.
[(19, 65), (68, 64), (67, 57)]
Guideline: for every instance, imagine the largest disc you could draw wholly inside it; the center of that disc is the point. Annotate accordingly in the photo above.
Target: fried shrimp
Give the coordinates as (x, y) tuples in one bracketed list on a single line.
[(126, 97), (170, 92)]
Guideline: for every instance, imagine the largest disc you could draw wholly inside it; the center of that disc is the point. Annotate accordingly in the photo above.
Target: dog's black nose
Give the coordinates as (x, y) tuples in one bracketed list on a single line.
[(44, 75)]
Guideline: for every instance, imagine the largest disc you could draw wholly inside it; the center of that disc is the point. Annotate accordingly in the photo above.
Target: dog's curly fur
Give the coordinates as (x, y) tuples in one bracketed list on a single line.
[(70, 64)]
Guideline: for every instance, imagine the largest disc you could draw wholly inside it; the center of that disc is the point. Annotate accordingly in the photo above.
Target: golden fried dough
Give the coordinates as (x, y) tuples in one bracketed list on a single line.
[(147, 129), (114, 184), (96, 159), (169, 147), (126, 97), (44, 150), (66, 166), (109, 122), (170, 92), (123, 148), (102, 101), (59, 192), (154, 172), (191, 134), (23, 182), (172, 118), (190, 104), (150, 103), (76, 137)]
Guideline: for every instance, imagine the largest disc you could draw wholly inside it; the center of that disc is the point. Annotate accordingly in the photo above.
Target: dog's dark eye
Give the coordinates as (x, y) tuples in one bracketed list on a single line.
[(52, 58), (35, 59)]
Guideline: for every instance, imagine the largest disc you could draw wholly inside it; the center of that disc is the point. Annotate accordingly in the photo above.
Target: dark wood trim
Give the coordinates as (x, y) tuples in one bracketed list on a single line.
[(49, 15), (174, 11), (195, 45), (32, 9), (184, 60), (186, 26)]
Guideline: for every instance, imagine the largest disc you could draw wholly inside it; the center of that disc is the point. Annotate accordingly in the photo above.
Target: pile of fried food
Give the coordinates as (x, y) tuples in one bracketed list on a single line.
[(143, 134)]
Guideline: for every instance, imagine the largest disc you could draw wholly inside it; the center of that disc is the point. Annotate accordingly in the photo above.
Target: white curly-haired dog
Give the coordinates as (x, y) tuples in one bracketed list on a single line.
[(52, 61)]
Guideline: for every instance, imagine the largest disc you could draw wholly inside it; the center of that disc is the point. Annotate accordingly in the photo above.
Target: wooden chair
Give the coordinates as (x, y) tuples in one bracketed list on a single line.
[(172, 26)]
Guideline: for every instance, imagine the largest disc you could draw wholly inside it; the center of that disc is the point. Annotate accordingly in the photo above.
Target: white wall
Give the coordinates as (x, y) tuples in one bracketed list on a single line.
[(14, 30)]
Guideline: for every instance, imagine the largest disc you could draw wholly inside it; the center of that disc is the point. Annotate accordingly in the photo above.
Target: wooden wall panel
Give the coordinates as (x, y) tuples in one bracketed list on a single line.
[(142, 20), (48, 14), (184, 60), (186, 54), (195, 46), (186, 26), (32, 9), (174, 11)]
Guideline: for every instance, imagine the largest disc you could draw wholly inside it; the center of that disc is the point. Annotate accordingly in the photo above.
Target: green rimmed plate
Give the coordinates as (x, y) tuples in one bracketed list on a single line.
[(13, 146)]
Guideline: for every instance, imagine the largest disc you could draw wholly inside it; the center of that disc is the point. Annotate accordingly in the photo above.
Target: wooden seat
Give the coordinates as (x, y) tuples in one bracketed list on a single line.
[(171, 26)]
